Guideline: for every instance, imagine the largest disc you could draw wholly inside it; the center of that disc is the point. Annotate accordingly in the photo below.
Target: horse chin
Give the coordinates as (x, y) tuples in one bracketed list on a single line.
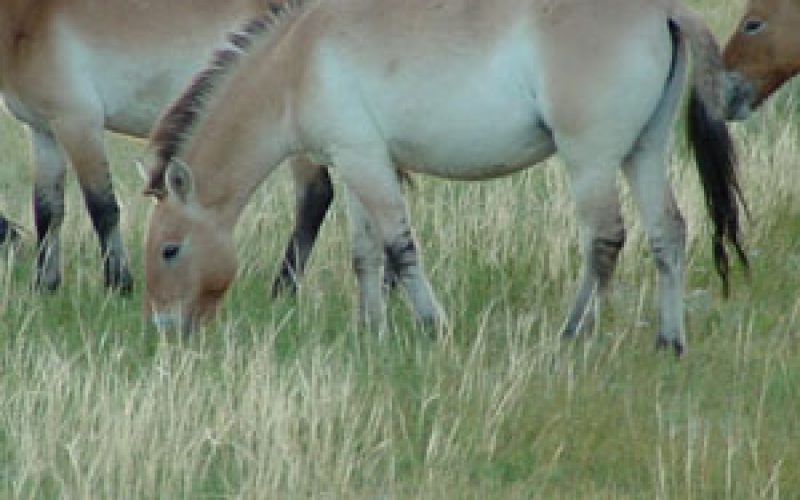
[(173, 322)]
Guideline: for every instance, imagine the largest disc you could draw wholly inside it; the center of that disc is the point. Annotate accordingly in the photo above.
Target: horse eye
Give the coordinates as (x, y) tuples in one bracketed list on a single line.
[(753, 26), (170, 251)]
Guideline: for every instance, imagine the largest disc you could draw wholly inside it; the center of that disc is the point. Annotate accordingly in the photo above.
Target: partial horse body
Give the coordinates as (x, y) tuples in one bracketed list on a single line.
[(71, 69), (453, 88), (762, 54)]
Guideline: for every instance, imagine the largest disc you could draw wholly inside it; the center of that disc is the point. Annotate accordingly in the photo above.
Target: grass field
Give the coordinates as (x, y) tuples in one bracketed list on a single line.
[(287, 399)]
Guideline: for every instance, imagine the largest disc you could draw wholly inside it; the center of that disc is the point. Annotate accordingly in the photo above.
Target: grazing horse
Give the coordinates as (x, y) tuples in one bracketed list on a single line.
[(71, 69), (453, 88), (762, 54)]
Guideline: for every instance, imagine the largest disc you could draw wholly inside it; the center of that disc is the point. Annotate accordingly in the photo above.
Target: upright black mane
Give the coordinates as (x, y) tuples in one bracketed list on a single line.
[(177, 123)]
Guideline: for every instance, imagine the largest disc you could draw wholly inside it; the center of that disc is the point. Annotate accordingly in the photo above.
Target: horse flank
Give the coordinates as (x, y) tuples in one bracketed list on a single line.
[(177, 123)]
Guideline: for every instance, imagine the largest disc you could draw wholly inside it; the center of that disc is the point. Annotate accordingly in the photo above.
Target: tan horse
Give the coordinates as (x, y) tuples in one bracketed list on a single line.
[(72, 68), (453, 88), (762, 54)]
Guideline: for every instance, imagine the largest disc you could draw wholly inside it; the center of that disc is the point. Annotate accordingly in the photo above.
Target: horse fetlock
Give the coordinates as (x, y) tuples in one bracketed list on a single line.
[(48, 276), (117, 276), (433, 322), (285, 283), (372, 316), (579, 325), (671, 342)]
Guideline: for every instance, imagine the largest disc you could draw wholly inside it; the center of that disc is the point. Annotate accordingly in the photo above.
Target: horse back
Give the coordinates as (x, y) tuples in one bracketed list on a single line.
[(60, 57)]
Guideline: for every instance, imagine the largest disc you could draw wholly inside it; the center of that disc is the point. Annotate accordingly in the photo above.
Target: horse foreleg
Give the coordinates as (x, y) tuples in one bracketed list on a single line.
[(84, 144), (367, 262), (666, 232), (48, 206), (313, 194), (377, 188)]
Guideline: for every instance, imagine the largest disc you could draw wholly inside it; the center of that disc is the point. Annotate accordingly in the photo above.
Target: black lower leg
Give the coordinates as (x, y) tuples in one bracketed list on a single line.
[(104, 212), (48, 212), (311, 212)]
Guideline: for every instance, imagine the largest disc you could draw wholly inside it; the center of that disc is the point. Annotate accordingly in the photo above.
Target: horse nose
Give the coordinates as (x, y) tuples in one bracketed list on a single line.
[(739, 96), (167, 321)]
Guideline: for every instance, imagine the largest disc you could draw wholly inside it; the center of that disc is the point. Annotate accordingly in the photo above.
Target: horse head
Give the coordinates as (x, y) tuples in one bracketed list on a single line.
[(190, 260), (762, 54)]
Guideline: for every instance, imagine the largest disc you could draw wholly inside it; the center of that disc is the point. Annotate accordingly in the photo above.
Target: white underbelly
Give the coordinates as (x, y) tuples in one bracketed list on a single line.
[(473, 153)]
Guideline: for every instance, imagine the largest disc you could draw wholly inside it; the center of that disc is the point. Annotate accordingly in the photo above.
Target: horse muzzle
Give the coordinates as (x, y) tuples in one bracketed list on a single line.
[(739, 97)]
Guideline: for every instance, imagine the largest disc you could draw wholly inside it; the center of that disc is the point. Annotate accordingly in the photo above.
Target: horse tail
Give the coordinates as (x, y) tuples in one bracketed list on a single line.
[(710, 140)]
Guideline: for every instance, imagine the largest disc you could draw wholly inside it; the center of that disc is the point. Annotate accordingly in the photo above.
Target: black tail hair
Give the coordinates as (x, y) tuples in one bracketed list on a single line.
[(716, 163)]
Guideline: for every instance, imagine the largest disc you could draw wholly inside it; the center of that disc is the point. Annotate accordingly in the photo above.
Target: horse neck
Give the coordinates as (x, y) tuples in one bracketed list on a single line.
[(234, 151)]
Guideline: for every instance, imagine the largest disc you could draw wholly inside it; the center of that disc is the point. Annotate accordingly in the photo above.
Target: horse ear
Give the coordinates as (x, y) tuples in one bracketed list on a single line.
[(149, 190), (179, 180)]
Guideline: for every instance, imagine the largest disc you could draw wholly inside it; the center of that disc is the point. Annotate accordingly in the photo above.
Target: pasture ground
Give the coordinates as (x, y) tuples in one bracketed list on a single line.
[(286, 399)]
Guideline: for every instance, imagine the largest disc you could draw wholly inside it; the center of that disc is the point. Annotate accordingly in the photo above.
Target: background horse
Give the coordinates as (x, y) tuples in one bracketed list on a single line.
[(71, 69), (453, 88), (762, 54)]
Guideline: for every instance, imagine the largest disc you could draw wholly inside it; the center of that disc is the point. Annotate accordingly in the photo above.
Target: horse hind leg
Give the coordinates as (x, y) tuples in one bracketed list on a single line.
[(666, 230), (602, 236), (645, 169), (48, 207), (83, 142)]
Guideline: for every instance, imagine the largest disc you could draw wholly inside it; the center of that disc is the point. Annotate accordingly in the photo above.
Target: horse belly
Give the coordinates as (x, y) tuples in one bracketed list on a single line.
[(476, 149), (481, 131), (476, 116)]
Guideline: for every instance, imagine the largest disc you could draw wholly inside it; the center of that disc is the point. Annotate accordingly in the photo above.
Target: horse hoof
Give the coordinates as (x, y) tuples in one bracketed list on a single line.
[(390, 281), (46, 285), (284, 286), (120, 282), (8, 233), (676, 344)]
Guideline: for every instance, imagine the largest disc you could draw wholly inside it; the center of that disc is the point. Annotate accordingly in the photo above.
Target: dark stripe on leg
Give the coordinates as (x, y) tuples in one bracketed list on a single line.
[(48, 213), (605, 252), (104, 212), (310, 215), (401, 254)]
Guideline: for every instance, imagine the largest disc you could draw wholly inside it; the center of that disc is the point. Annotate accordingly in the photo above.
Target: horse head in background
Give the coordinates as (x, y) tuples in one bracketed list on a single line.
[(762, 54)]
